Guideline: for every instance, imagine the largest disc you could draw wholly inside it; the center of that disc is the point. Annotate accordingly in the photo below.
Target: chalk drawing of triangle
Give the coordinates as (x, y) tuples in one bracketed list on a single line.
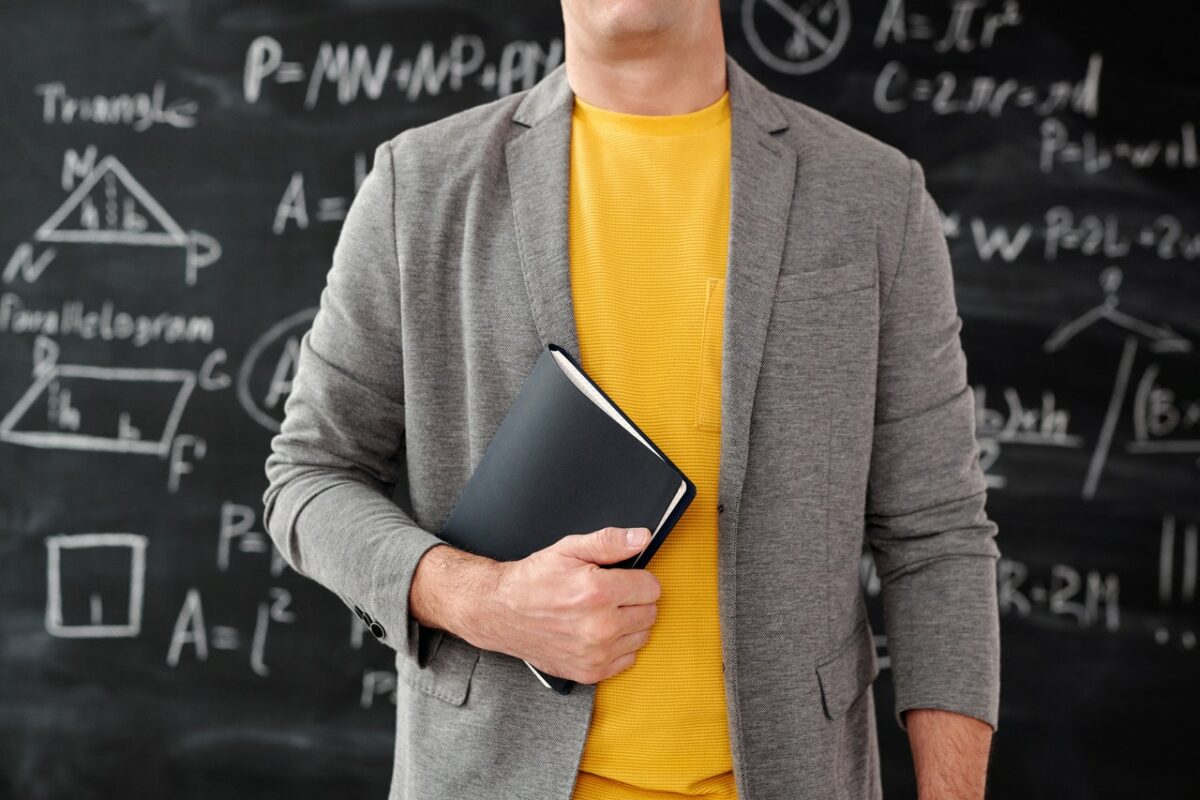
[(110, 207)]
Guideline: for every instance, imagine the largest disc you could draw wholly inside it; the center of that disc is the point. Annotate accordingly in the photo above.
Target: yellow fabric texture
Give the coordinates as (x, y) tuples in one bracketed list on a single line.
[(648, 243)]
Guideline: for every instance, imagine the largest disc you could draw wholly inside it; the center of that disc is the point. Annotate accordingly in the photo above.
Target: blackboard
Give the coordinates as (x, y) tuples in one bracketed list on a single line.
[(175, 175)]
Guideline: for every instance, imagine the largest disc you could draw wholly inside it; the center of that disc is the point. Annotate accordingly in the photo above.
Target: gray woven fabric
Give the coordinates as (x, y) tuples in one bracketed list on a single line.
[(845, 410)]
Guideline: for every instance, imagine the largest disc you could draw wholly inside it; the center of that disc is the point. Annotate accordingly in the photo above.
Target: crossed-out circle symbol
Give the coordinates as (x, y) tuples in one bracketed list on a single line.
[(814, 33)]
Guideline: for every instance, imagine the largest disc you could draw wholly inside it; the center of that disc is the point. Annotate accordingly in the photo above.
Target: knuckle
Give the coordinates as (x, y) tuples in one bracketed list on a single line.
[(592, 633), (585, 597), (579, 591), (579, 651), (593, 591), (588, 672)]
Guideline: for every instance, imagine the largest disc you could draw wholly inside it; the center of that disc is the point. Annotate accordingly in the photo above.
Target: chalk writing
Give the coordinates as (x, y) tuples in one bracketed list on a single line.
[(192, 633), (1178, 566), (139, 110), (102, 320), (1089, 597), (897, 90), (1094, 155), (294, 205), (968, 28), (356, 72)]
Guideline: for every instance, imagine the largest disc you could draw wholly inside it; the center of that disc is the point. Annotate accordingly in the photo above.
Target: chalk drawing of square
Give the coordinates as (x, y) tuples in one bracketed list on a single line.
[(131, 625), (14, 428)]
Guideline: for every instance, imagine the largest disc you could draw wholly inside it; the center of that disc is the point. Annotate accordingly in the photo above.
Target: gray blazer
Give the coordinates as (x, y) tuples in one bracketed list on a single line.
[(845, 411)]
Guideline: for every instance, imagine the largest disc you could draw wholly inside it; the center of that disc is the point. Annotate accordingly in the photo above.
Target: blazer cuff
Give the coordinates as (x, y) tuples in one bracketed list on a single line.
[(358, 543), (948, 658)]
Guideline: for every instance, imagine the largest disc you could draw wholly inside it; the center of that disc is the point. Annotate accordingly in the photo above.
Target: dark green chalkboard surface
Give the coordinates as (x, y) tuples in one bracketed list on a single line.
[(175, 174)]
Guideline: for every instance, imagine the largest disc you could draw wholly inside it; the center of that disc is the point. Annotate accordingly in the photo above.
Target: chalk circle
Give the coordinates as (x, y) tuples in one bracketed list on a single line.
[(274, 334)]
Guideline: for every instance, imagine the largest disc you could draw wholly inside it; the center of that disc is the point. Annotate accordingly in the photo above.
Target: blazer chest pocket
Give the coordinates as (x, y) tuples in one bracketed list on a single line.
[(708, 383), (807, 284), (447, 673)]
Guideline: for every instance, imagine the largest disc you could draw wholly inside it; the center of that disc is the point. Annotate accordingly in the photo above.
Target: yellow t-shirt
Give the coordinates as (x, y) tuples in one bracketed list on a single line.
[(648, 240)]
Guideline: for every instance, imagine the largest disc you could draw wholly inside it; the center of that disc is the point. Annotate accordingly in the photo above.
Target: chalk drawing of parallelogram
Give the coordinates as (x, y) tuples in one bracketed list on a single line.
[(77, 405), (77, 550)]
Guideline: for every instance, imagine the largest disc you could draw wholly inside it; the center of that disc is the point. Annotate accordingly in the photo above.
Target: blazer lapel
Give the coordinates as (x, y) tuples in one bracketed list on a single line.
[(762, 179), (539, 167)]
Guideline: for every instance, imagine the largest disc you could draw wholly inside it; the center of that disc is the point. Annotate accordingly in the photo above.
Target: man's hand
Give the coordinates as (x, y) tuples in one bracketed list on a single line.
[(950, 753), (566, 615)]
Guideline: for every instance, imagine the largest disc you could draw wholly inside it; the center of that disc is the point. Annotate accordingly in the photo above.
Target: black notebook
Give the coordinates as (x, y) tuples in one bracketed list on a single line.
[(564, 460)]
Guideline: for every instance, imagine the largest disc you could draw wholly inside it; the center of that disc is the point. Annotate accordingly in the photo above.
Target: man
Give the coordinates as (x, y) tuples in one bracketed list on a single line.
[(768, 293)]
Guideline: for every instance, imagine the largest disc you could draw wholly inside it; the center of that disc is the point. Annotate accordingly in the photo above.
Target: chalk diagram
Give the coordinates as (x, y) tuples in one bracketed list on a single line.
[(1161, 340), (131, 410), (110, 206), (58, 388), (67, 558), (813, 34), (262, 395)]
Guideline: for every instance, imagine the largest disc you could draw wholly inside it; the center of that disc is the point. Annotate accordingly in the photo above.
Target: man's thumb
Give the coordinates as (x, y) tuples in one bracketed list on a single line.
[(607, 545)]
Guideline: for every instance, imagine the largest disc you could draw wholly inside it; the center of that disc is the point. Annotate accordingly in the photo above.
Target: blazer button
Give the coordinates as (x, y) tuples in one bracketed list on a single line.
[(377, 629), (720, 508)]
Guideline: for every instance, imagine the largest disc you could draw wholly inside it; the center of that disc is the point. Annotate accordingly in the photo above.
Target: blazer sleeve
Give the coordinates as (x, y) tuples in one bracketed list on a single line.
[(932, 541), (336, 459)]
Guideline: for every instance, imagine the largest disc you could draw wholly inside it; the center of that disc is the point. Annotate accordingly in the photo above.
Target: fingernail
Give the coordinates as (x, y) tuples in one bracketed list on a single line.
[(637, 536)]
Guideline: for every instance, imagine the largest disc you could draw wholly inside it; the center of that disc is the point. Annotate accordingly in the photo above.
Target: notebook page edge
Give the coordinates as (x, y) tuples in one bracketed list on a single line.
[(590, 392), (670, 507)]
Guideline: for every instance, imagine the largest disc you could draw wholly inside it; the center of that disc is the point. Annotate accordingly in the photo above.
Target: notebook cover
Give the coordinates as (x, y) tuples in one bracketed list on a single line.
[(558, 464)]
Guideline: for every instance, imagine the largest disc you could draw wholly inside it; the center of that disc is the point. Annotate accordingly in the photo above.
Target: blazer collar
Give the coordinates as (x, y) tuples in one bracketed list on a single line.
[(553, 92), (762, 181)]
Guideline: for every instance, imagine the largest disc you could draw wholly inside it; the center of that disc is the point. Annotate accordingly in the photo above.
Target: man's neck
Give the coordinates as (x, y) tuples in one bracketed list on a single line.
[(649, 78)]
